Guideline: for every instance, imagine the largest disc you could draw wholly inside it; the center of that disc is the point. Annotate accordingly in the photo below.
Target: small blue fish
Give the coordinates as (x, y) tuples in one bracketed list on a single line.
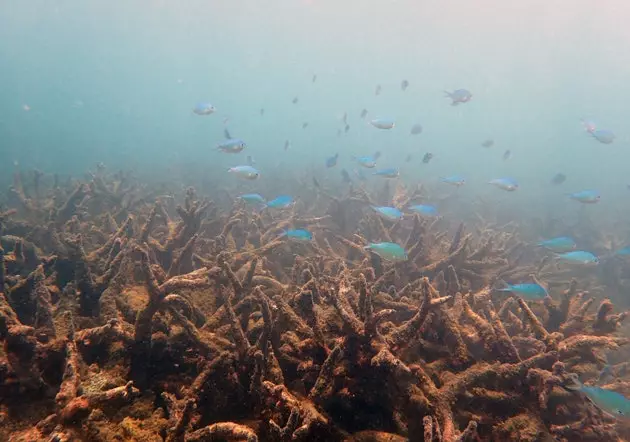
[(459, 96), (454, 180), (560, 244), (204, 109), (332, 161), (604, 136), (610, 402), (281, 202), (298, 234), (387, 173), (388, 250), (367, 162), (579, 257), (507, 184), (424, 209), (252, 198), (586, 196), (383, 123), (245, 172), (232, 146), (389, 213), (531, 292), (623, 252)]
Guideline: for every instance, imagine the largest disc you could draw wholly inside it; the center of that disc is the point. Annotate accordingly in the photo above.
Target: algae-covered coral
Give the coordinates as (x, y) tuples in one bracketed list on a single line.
[(126, 314)]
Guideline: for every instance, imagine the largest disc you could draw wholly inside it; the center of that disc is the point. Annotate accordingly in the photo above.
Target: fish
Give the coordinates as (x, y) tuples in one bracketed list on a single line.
[(316, 183), (454, 180), (408, 158), (459, 96), (427, 157), (262, 111), (531, 292), (314, 79), (367, 162), (558, 178), (245, 172), (387, 173), (604, 136), (298, 234), (304, 125), (232, 146), (609, 401), (252, 198), (589, 126), (488, 143), (559, 245), (585, 196), (578, 257), (364, 113), (424, 209), (280, 202), (345, 118), (347, 128), (416, 129), (345, 176), (378, 89), (507, 155), (295, 100), (250, 160), (226, 134), (287, 143), (388, 250), (389, 213), (204, 109), (404, 85), (332, 161), (383, 123), (623, 252), (376, 155), (508, 184)]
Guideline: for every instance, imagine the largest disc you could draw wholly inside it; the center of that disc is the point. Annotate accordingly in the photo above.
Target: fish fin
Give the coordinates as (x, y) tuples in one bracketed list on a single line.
[(448, 94)]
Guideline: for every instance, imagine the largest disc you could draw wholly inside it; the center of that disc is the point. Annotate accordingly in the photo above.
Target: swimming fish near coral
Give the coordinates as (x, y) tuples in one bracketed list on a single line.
[(586, 196), (454, 180), (280, 202), (424, 209), (252, 198), (558, 178), (609, 401), (345, 176), (578, 257), (404, 85), (204, 109), (488, 143), (427, 157), (416, 129), (507, 155), (507, 184), (332, 161), (560, 244), (387, 173), (383, 123), (245, 172), (604, 136), (388, 250), (459, 96), (368, 162), (389, 213), (298, 234), (530, 292), (364, 113), (232, 146)]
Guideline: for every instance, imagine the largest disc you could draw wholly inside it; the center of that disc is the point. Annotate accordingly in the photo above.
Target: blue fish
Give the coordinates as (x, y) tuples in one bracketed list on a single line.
[(204, 109), (245, 172), (332, 161), (252, 198), (454, 180), (389, 213), (604, 136), (507, 184), (233, 145), (387, 173), (531, 292), (586, 196), (613, 403), (383, 123), (623, 252), (424, 209), (367, 162), (459, 96), (559, 245), (298, 234), (281, 202), (579, 257), (388, 250)]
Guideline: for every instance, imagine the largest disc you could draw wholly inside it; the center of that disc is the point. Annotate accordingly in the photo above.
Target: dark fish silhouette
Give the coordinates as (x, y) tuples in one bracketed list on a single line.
[(416, 129), (316, 183), (295, 100), (378, 90), (488, 143), (376, 155), (332, 161), (345, 118), (408, 159), (304, 125), (507, 155), (314, 78), (404, 85), (262, 111), (364, 113), (346, 176), (427, 157), (227, 135), (347, 128), (559, 178), (286, 145)]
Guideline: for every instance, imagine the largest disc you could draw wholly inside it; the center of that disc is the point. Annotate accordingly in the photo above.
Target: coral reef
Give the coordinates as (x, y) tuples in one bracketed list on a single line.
[(124, 316)]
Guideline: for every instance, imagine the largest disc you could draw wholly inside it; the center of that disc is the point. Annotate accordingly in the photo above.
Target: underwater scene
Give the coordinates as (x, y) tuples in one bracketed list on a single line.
[(314, 220)]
